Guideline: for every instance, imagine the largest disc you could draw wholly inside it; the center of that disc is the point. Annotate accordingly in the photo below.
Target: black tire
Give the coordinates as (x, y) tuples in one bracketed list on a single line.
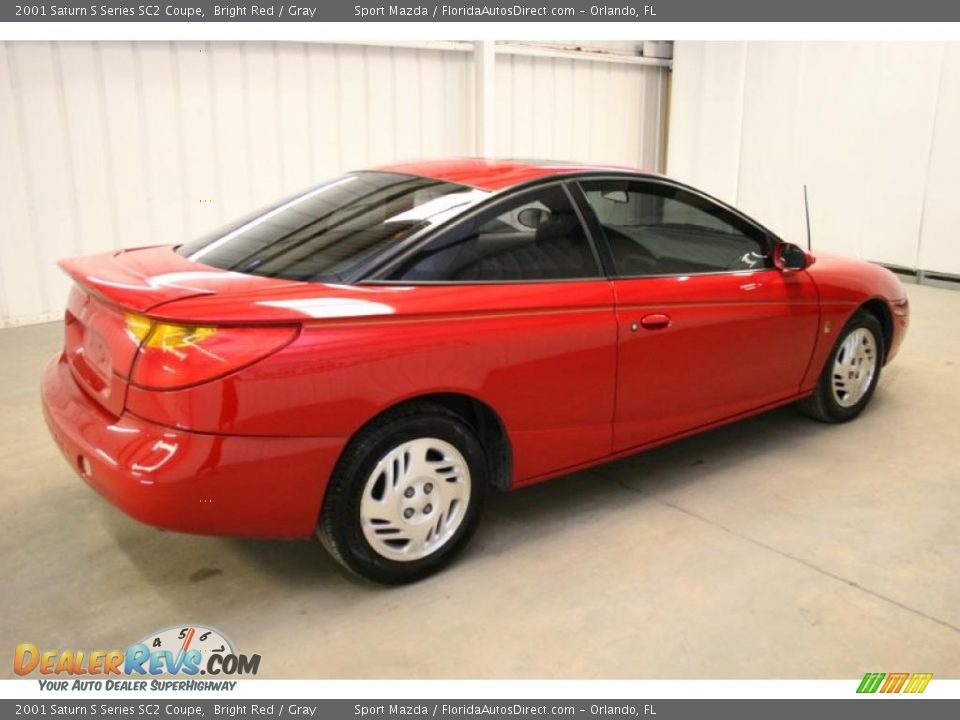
[(823, 405), (340, 529)]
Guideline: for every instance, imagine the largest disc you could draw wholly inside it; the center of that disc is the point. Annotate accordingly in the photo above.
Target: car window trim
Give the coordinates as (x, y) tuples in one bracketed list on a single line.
[(591, 222), (376, 277), (705, 273), (417, 283)]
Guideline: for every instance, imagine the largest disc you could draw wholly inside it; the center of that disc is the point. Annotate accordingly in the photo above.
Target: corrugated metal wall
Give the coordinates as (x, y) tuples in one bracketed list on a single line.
[(119, 144), (106, 145), (563, 109), (870, 127)]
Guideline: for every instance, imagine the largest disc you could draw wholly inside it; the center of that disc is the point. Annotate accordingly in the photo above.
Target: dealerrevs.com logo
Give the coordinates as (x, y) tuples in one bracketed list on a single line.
[(189, 651)]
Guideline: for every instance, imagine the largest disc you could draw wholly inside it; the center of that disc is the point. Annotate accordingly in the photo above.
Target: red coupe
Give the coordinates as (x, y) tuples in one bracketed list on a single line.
[(363, 359)]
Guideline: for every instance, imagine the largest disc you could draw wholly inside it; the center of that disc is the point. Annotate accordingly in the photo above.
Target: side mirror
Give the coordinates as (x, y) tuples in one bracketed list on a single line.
[(787, 256)]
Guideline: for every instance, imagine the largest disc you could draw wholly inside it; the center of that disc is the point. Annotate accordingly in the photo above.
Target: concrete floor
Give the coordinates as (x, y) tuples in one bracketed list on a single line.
[(776, 547)]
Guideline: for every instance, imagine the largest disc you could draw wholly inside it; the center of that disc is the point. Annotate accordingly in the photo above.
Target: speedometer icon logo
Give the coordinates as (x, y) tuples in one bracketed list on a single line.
[(181, 639)]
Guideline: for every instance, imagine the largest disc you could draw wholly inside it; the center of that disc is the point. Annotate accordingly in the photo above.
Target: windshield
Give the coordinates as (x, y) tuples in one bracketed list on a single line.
[(327, 233)]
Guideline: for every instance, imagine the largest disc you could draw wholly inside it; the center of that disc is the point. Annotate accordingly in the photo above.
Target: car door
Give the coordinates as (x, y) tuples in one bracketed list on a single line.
[(528, 325), (708, 328)]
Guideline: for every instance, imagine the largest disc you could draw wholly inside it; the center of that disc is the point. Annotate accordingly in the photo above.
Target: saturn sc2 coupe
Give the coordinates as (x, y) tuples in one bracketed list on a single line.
[(364, 360)]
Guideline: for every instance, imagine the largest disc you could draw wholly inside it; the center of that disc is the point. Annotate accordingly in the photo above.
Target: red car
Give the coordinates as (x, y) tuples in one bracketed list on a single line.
[(362, 360)]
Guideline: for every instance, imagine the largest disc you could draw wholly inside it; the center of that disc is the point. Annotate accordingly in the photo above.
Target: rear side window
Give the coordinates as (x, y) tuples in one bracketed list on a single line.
[(329, 232), (655, 229), (536, 235)]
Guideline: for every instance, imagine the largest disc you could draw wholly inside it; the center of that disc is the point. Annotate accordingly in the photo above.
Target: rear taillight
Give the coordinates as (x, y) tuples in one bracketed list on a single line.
[(174, 356)]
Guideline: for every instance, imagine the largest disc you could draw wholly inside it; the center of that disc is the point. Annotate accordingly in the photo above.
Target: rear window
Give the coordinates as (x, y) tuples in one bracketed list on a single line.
[(329, 232)]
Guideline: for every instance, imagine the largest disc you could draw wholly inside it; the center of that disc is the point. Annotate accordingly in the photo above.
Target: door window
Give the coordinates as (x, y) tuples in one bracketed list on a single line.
[(655, 229)]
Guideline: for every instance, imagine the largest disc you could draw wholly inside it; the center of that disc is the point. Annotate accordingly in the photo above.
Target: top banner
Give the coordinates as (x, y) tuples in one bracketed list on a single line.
[(465, 11)]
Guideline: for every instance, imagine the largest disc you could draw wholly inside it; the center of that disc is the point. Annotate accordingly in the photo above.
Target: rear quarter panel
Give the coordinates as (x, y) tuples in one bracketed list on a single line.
[(542, 356)]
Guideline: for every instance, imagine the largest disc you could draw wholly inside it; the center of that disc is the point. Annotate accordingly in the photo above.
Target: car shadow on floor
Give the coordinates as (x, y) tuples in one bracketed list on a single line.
[(676, 463), (526, 516)]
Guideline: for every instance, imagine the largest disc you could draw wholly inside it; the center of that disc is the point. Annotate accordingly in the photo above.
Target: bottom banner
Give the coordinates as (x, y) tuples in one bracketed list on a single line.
[(874, 708)]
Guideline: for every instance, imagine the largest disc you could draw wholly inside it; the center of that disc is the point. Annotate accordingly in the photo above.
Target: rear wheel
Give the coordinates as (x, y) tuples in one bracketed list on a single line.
[(405, 496), (850, 375)]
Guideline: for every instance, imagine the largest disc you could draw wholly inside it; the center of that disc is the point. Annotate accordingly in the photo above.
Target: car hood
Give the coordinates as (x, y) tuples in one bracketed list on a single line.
[(848, 279)]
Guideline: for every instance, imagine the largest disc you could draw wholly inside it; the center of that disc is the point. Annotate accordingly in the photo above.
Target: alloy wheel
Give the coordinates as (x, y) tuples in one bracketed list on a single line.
[(854, 367)]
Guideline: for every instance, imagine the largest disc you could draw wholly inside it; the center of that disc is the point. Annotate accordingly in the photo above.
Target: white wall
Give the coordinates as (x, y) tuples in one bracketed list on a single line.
[(564, 109), (107, 145), (871, 128)]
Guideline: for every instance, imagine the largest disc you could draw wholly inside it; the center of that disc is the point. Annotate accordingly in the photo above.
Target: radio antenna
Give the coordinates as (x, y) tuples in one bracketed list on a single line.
[(806, 210)]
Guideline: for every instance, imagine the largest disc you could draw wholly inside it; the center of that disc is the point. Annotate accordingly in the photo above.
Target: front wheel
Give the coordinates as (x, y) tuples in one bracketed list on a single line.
[(850, 375), (405, 496)]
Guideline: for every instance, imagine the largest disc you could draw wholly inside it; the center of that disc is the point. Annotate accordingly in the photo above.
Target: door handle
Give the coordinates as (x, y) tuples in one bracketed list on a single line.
[(653, 321)]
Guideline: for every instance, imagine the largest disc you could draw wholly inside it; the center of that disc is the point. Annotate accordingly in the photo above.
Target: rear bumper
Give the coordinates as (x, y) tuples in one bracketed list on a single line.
[(189, 482)]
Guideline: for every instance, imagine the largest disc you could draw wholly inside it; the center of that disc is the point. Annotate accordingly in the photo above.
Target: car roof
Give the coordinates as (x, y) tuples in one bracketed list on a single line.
[(497, 174)]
